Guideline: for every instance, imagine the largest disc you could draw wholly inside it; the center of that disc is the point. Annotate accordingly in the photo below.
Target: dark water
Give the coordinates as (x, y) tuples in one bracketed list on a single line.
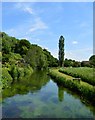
[(40, 97)]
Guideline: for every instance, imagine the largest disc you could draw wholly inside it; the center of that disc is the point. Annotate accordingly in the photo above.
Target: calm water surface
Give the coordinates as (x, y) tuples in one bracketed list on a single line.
[(40, 97)]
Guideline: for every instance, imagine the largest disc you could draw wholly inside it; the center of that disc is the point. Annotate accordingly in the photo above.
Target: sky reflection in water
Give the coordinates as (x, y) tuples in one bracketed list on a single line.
[(41, 97)]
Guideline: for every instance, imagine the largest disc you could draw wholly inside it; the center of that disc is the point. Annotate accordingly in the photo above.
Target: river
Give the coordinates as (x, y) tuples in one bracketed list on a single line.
[(40, 97)]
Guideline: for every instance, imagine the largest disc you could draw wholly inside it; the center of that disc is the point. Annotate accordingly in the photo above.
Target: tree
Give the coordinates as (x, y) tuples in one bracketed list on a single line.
[(22, 47), (68, 62), (36, 58), (51, 61), (85, 64), (61, 51), (92, 60)]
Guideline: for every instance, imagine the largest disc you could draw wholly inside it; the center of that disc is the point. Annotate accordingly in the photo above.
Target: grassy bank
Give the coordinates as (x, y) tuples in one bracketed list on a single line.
[(84, 89), (85, 73)]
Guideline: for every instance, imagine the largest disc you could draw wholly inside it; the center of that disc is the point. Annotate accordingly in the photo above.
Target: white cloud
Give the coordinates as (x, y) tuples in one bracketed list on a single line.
[(25, 7), (36, 24), (29, 10), (75, 42), (39, 25), (80, 54)]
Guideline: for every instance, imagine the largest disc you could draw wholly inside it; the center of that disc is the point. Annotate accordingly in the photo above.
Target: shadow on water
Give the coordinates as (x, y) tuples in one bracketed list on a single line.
[(32, 84)]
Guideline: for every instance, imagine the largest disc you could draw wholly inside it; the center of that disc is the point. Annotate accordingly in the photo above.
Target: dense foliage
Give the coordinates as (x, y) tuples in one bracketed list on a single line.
[(71, 63), (92, 60), (36, 58), (51, 61), (20, 56), (61, 51)]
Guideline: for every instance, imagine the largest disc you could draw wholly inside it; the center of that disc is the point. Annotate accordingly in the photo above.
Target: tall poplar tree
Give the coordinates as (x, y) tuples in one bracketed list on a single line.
[(61, 51)]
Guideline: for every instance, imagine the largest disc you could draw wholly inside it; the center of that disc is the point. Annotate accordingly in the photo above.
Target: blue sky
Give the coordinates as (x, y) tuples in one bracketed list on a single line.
[(43, 24)]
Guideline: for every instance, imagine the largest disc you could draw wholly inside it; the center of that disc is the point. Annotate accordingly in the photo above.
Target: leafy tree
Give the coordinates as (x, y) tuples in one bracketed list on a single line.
[(76, 64), (22, 47), (68, 63), (24, 42), (8, 43), (85, 64), (71, 63), (92, 60), (6, 48), (36, 58), (61, 51), (52, 62)]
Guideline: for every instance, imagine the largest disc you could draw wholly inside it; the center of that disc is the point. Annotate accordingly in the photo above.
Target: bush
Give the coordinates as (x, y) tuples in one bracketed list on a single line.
[(6, 78), (28, 70), (19, 72), (14, 72)]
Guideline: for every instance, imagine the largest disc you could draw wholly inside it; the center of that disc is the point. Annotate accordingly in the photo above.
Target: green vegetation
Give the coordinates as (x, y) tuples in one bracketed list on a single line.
[(85, 73), (92, 60), (71, 63), (84, 89), (20, 58), (36, 58), (31, 83), (61, 51), (51, 61), (6, 78)]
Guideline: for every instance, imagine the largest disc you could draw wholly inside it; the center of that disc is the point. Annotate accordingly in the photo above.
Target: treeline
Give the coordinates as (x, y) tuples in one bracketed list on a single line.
[(20, 58), (73, 63)]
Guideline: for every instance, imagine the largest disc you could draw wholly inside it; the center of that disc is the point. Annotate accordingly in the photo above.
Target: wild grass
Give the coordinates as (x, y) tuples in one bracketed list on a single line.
[(85, 73)]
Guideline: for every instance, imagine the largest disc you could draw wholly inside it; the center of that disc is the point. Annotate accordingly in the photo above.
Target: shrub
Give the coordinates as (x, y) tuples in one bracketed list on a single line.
[(6, 78), (14, 72)]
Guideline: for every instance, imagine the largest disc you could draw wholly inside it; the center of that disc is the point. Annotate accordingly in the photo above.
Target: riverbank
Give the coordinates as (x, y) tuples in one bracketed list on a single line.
[(45, 98), (13, 74), (85, 73), (84, 89)]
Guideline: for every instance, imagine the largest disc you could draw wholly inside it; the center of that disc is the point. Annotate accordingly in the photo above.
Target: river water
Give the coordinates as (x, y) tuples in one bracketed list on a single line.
[(40, 97)]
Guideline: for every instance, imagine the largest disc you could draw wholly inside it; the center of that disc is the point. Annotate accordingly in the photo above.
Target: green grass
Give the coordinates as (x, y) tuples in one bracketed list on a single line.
[(84, 89), (68, 77), (85, 73)]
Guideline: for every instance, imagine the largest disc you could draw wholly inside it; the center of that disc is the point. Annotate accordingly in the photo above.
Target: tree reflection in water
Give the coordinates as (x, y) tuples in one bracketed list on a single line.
[(31, 84)]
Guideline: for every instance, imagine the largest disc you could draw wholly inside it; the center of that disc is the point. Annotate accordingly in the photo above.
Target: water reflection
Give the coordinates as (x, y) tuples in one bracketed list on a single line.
[(31, 84), (60, 93), (62, 89), (40, 97)]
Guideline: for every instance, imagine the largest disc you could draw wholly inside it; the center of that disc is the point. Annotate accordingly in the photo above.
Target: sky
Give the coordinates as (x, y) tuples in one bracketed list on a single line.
[(43, 23)]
